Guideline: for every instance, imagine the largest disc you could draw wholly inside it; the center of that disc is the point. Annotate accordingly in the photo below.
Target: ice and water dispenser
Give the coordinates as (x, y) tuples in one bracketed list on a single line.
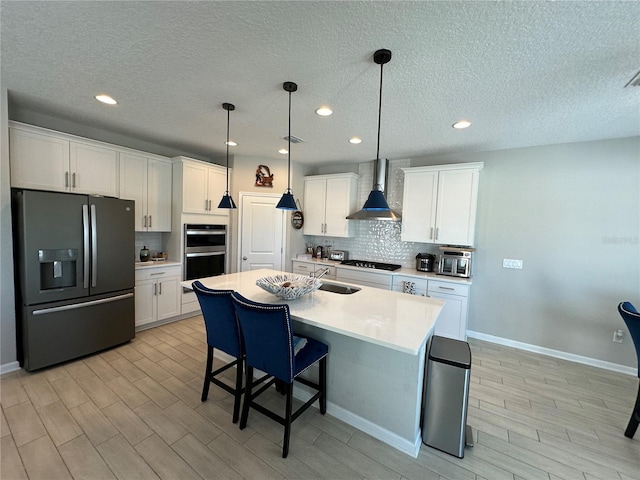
[(57, 268)]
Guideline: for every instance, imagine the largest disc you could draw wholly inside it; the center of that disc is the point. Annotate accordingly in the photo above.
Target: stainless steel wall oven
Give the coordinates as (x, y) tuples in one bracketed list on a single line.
[(205, 248)]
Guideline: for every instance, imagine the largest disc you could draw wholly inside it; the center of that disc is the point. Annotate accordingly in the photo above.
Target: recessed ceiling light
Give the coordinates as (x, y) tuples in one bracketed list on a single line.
[(355, 140), (231, 143), (283, 151), (324, 111), (106, 99), (462, 124)]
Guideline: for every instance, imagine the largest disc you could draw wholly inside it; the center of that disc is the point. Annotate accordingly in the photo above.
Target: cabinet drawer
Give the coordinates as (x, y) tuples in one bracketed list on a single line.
[(377, 280), (151, 273), (448, 288), (303, 268)]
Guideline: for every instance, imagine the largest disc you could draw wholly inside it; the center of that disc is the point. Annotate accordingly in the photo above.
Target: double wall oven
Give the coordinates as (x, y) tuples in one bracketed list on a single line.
[(205, 248)]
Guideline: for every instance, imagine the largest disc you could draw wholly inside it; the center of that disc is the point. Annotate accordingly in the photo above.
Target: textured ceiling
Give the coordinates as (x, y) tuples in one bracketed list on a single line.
[(525, 73)]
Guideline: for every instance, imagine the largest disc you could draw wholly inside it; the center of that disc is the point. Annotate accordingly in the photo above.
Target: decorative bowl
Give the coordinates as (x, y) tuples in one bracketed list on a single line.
[(289, 286)]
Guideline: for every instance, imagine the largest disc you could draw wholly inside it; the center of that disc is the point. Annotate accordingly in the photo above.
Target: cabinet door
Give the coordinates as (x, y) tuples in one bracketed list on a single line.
[(216, 188), (452, 321), (339, 199), (38, 161), (419, 207), (315, 196), (133, 186), (94, 169), (194, 188), (145, 300), (457, 204), (168, 298), (159, 176)]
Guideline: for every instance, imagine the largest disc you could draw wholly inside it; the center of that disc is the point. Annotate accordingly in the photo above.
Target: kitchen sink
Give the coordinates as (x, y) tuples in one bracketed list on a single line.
[(341, 289)]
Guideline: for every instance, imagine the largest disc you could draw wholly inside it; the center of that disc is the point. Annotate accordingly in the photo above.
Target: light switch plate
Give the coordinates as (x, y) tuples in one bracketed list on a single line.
[(511, 263)]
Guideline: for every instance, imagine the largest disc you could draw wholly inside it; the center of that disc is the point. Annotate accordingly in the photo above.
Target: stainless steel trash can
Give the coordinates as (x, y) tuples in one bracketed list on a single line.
[(446, 396)]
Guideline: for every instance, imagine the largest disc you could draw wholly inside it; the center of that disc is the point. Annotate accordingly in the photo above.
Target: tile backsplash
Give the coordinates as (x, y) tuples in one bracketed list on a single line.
[(152, 240), (377, 240)]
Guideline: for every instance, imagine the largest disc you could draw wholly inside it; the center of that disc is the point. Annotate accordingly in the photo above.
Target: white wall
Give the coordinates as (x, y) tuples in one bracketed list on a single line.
[(8, 354), (571, 212)]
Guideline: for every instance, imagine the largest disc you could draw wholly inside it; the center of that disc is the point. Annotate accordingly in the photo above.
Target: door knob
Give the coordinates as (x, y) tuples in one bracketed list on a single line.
[(244, 258)]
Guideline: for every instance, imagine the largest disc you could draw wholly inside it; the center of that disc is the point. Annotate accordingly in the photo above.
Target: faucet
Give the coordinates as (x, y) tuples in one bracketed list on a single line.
[(323, 271)]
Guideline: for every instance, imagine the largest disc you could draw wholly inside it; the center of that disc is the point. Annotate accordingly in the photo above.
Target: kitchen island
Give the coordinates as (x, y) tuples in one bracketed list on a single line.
[(377, 341)]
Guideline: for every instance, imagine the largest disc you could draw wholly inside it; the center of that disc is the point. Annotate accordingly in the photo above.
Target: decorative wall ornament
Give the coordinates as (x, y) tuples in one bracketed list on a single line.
[(264, 177)]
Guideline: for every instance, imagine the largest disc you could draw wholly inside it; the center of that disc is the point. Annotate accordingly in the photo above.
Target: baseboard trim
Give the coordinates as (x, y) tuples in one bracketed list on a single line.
[(594, 362), (364, 425), (9, 367)]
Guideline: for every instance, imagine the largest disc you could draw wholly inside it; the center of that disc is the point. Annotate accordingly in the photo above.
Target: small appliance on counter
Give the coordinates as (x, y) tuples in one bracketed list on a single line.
[(455, 261), (425, 262), (339, 255), (319, 252)]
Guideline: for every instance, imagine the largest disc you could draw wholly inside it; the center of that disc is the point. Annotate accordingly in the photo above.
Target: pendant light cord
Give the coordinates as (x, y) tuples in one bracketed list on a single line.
[(375, 170), (289, 149), (228, 119)]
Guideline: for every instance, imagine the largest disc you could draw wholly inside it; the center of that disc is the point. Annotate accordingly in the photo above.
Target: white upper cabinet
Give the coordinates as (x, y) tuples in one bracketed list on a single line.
[(44, 161), (328, 199), (440, 204), (148, 182), (200, 186)]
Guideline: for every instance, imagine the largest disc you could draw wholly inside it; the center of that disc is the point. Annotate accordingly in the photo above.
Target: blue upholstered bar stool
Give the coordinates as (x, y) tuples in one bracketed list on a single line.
[(632, 318), (270, 347), (223, 333)]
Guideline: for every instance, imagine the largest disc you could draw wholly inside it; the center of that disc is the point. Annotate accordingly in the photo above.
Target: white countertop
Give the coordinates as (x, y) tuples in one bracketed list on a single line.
[(391, 319), (151, 264), (412, 272)]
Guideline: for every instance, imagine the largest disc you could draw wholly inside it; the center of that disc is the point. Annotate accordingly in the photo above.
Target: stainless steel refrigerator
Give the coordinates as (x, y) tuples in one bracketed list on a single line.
[(74, 259)]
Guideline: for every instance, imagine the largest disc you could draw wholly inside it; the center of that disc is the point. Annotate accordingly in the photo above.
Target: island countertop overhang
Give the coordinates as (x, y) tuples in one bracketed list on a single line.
[(390, 319)]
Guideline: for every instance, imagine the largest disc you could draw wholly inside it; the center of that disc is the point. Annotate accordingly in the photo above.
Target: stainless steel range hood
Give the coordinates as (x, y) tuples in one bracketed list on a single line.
[(380, 174)]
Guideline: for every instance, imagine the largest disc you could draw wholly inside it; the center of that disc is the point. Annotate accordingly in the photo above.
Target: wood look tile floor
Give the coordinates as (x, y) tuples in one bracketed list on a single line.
[(135, 412)]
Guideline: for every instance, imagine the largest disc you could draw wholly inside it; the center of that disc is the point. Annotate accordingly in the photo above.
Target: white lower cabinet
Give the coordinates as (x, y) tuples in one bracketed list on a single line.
[(411, 285), (157, 293), (368, 279), (452, 321), (306, 268)]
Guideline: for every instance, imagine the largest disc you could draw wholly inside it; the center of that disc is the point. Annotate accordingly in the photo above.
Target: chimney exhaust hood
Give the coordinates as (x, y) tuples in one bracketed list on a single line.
[(380, 176)]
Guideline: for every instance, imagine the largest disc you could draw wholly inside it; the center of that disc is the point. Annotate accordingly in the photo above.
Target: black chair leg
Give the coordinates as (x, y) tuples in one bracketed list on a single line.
[(323, 385), (207, 373), (247, 397), (287, 418), (635, 418), (238, 392)]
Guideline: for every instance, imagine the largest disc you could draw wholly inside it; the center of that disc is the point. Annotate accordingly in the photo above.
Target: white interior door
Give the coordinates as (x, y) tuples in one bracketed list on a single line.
[(262, 233)]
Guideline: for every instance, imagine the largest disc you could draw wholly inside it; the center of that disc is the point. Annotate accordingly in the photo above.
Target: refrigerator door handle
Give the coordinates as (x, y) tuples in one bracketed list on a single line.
[(94, 246), (85, 235), (74, 306)]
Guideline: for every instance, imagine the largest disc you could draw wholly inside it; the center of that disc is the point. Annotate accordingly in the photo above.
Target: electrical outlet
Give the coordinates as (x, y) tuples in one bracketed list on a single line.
[(618, 335), (511, 263)]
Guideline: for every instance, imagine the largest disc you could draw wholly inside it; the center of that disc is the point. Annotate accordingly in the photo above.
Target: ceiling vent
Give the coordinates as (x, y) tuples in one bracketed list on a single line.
[(634, 82), (293, 139)]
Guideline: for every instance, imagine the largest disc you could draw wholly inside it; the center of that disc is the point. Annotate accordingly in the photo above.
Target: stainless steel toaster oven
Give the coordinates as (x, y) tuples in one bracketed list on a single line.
[(455, 262)]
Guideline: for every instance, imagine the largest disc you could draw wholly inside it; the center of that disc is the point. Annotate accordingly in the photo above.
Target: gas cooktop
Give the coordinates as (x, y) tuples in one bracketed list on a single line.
[(374, 265)]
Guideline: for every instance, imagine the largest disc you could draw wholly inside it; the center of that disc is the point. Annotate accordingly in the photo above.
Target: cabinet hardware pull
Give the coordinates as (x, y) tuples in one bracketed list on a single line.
[(73, 180), (155, 289), (150, 224), (145, 221), (209, 205), (159, 273), (244, 258), (66, 179), (431, 234), (160, 288), (446, 288), (437, 232)]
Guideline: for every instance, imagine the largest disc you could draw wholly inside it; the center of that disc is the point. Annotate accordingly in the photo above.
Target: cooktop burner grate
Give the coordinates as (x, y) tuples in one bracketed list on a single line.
[(374, 265)]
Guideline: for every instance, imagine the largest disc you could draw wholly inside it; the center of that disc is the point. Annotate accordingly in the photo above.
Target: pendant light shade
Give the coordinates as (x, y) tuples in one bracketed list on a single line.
[(287, 202), (227, 201)]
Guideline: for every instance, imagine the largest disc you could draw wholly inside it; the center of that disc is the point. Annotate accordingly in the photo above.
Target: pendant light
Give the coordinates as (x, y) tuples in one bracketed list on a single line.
[(376, 206), (287, 202), (227, 201)]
